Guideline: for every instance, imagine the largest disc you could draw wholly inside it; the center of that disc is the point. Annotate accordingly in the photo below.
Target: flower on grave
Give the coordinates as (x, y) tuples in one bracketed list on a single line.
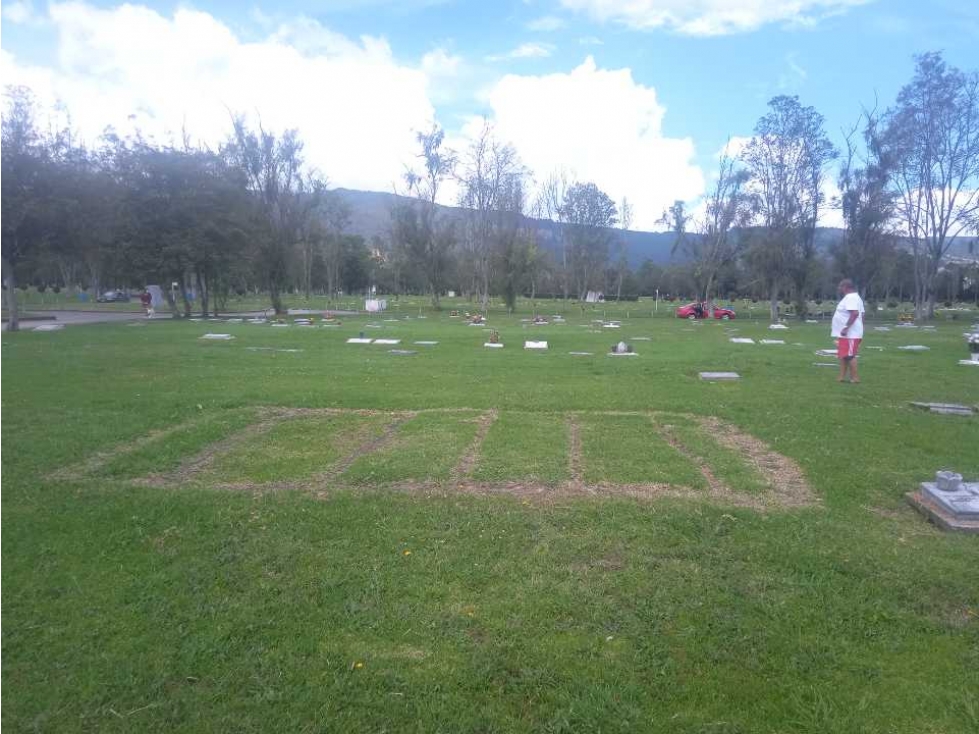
[(495, 337), (406, 552)]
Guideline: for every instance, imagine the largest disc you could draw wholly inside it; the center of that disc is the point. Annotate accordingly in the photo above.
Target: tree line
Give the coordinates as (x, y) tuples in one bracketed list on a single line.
[(250, 215)]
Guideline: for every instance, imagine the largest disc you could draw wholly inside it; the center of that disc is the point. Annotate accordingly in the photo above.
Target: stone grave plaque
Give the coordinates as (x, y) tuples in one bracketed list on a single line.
[(218, 337), (944, 408), (719, 376), (949, 502)]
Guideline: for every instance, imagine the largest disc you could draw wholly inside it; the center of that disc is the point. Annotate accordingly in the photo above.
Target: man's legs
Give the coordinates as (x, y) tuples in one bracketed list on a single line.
[(853, 370), (843, 370)]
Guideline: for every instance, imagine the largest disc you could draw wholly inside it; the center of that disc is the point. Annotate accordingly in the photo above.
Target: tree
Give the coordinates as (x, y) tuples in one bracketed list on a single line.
[(512, 240), (932, 133), (622, 259), (588, 215), (787, 158), (25, 179), (867, 204), (552, 196), (325, 235), (427, 236), (715, 243), (287, 195), (490, 176)]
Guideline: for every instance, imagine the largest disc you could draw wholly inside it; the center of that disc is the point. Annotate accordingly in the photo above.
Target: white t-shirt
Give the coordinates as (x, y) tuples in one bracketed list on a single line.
[(850, 302)]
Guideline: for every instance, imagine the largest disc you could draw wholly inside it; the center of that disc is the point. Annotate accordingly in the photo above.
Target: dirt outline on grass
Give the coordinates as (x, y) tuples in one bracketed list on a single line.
[(787, 485), (467, 462)]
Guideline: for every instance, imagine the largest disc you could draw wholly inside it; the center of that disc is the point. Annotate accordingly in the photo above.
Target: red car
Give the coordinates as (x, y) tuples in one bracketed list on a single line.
[(700, 311)]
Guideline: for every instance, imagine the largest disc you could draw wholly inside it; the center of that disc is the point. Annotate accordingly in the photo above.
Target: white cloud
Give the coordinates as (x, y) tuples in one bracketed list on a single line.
[(794, 76), (440, 63), (354, 104), (604, 127), (591, 41), (710, 17), (546, 23), (21, 12), (525, 51), (18, 12)]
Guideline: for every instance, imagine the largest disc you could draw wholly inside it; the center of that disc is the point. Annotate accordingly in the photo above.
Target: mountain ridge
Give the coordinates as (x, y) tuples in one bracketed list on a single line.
[(370, 217)]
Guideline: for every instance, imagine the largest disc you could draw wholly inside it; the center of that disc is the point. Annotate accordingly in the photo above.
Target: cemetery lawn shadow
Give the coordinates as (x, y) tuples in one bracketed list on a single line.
[(176, 605)]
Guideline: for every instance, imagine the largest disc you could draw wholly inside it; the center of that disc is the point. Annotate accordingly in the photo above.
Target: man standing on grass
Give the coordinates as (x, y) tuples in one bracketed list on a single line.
[(848, 329)]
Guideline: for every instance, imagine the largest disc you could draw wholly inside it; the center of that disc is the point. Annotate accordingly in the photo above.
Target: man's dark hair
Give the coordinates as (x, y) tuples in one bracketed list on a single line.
[(847, 284)]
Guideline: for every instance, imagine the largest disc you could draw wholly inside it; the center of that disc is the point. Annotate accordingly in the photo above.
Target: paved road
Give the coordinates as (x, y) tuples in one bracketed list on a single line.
[(96, 317)]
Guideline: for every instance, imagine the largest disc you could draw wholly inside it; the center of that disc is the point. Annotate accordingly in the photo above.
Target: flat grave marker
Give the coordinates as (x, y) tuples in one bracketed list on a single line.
[(719, 376), (218, 337)]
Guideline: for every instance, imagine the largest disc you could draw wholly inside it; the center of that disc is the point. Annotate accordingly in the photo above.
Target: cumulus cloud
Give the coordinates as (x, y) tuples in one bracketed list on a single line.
[(599, 125), (710, 17), (20, 12), (525, 51), (546, 23), (355, 105)]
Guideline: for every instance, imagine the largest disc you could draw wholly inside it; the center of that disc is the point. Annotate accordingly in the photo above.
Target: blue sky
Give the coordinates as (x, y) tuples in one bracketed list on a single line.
[(668, 81)]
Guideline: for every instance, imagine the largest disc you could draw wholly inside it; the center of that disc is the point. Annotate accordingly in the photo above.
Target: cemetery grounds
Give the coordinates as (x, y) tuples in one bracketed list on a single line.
[(286, 532)]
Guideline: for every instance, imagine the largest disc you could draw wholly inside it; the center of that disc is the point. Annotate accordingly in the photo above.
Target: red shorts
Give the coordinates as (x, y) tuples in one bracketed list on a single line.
[(847, 348)]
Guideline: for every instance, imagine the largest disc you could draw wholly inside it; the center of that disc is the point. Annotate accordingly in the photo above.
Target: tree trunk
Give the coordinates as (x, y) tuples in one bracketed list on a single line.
[(275, 297), (564, 268), (202, 290), (13, 319), (708, 288), (183, 296), (920, 287), (773, 304), (172, 303)]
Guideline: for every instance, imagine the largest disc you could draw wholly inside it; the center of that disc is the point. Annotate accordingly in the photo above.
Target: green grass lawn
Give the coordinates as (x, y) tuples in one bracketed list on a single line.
[(185, 551)]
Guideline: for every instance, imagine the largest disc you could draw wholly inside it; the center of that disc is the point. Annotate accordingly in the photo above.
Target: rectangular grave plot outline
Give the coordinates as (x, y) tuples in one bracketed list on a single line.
[(92, 466), (428, 452), (337, 435), (517, 464), (601, 448)]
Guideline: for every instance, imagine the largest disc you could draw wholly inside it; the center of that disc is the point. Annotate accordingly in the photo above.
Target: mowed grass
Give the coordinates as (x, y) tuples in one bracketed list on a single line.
[(173, 446), (626, 449), (425, 448), (523, 446), (130, 608), (728, 465), (295, 449)]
